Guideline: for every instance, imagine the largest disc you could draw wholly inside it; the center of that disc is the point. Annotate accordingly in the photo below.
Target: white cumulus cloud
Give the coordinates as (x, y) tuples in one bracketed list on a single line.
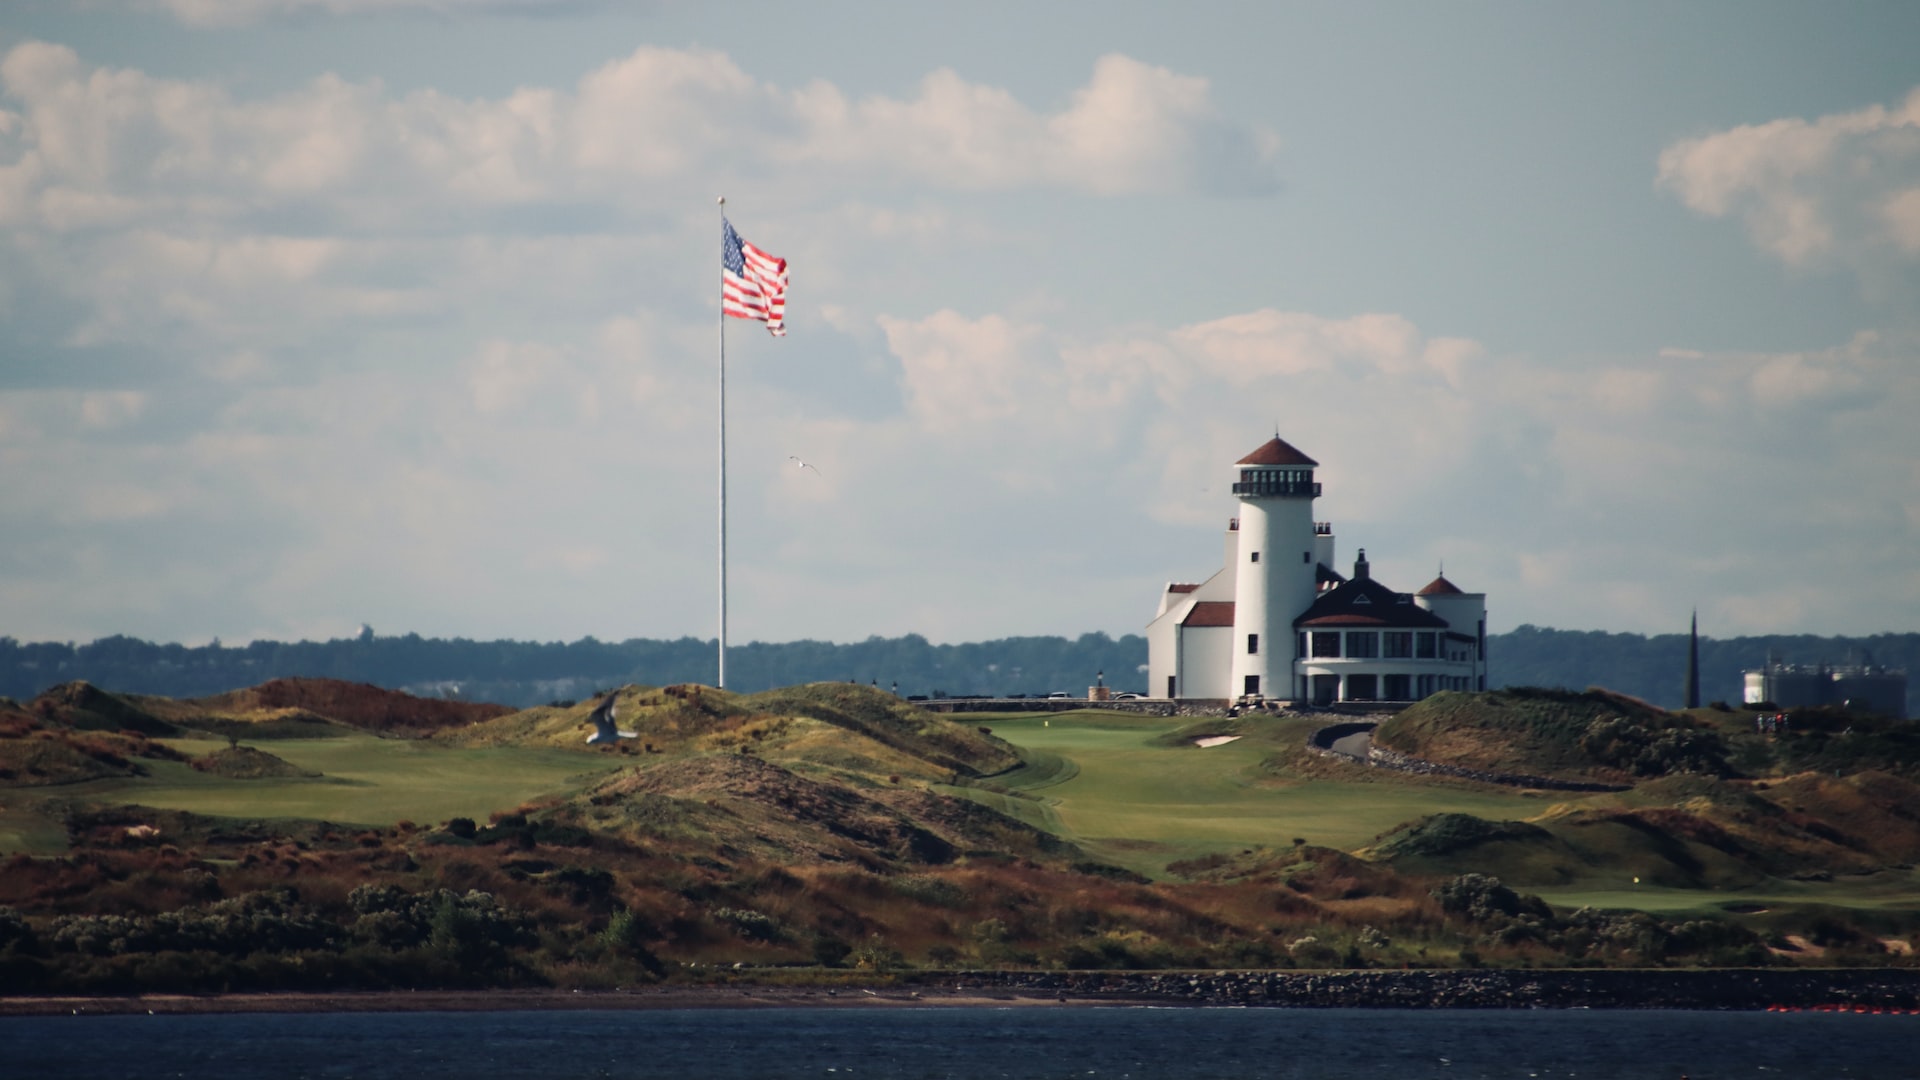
[(1835, 189)]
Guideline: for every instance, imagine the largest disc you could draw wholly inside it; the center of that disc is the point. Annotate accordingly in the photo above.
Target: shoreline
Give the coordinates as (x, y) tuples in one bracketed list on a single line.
[(1756, 989)]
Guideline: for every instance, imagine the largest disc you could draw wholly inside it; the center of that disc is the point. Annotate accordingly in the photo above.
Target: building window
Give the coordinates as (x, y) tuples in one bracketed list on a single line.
[(1300, 644), (1362, 688), (1425, 647), (1396, 687), (1397, 645), (1256, 556), (1253, 684), (1169, 687), (1363, 644), (1253, 644), (1326, 643)]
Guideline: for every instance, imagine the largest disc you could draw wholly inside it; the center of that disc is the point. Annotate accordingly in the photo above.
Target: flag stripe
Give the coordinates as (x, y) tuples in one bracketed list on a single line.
[(753, 284)]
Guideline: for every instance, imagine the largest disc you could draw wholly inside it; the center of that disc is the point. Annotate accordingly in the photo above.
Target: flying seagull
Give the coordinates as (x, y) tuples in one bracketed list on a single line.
[(802, 464), (603, 729)]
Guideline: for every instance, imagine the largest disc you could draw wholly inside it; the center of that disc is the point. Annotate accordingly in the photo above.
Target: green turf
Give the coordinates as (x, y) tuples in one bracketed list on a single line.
[(1142, 805), (365, 781), (1894, 891)]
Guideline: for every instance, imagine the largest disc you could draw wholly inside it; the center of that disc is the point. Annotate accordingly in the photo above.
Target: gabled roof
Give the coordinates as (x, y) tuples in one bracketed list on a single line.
[(1210, 613), (1325, 576), (1181, 588), (1365, 602), (1440, 586), (1276, 451)]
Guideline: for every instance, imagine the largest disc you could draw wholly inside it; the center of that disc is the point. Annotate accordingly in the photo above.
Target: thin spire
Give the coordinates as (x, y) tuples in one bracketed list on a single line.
[(1693, 662)]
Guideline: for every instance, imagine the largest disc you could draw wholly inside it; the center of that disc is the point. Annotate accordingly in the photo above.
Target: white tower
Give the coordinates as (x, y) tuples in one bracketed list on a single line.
[(1274, 578)]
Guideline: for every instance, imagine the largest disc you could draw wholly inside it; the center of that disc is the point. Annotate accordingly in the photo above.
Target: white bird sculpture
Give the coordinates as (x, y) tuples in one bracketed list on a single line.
[(802, 464), (603, 729)]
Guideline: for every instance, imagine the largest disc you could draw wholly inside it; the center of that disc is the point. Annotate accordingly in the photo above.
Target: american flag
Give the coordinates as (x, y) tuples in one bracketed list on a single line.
[(753, 284)]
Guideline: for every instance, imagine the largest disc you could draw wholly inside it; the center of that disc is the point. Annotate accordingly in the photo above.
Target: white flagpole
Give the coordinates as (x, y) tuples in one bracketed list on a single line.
[(721, 683)]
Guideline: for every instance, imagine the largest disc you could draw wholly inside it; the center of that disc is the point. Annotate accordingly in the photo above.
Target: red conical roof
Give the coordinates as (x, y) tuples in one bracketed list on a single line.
[(1276, 451), (1440, 586)]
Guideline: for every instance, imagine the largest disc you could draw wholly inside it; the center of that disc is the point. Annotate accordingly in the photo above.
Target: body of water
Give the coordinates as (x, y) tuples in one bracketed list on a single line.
[(1021, 1043)]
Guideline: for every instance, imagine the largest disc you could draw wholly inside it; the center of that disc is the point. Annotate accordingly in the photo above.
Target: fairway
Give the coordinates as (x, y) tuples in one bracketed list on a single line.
[(1100, 780), (365, 781)]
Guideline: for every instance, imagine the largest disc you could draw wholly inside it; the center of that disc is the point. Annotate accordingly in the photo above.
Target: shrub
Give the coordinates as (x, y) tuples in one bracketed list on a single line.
[(1480, 898), (749, 923), (937, 892)]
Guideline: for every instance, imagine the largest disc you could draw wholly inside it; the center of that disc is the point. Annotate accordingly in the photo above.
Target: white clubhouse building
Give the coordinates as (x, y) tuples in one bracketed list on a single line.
[(1278, 623)]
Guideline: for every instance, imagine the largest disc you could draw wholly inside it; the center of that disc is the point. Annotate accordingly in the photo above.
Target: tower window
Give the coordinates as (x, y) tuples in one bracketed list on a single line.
[(1253, 684), (1253, 644), (1256, 556), (1306, 556)]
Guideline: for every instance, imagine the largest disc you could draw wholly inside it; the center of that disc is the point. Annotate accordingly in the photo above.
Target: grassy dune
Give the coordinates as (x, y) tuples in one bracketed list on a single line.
[(364, 781), (1116, 785)]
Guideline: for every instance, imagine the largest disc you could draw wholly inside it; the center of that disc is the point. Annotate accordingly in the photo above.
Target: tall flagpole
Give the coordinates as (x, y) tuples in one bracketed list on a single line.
[(722, 682)]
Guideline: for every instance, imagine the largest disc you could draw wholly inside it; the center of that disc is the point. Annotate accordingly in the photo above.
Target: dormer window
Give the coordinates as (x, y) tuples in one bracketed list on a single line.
[(1363, 598)]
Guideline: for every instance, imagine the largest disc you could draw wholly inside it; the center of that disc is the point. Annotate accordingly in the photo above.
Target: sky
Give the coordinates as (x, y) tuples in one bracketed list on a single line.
[(404, 313)]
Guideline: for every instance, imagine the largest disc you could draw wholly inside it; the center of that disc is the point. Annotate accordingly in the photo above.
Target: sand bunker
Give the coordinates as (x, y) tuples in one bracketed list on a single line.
[(1215, 740)]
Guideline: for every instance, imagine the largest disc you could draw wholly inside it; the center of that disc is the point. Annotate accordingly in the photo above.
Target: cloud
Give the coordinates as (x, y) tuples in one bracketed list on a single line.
[(95, 147), (1839, 189), (238, 12), (1616, 494)]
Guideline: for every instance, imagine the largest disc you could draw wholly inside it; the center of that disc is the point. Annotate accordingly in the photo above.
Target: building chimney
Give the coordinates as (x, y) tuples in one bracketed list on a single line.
[(1360, 566)]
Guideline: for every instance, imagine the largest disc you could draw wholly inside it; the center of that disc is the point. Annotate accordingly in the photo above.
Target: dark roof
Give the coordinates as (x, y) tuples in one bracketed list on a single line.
[(1181, 588), (1366, 602), (1440, 586), (1324, 575), (1210, 613), (1276, 451)]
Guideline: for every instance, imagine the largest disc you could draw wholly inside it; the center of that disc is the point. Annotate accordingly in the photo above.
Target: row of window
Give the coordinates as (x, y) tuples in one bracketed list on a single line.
[(1326, 689), (1372, 644)]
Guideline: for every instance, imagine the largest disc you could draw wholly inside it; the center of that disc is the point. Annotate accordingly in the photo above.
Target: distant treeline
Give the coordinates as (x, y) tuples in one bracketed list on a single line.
[(523, 673)]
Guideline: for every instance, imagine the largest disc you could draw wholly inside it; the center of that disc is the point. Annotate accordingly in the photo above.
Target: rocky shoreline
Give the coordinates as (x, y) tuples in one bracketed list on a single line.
[(1879, 988), (1847, 990)]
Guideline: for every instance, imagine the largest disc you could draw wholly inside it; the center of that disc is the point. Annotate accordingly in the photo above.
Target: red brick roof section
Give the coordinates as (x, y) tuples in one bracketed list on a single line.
[(1440, 586), (1345, 620), (1181, 588), (1276, 451), (1210, 613)]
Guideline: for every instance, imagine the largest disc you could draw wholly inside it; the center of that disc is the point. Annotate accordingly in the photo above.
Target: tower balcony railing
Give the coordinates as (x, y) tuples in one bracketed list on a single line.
[(1277, 486)]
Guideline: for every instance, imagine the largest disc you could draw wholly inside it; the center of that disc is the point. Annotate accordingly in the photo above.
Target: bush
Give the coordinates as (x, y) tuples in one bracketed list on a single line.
[(1480, 898)]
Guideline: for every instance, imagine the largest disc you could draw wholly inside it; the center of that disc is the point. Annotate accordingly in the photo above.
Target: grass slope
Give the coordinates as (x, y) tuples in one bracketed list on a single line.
[(1518, 730), (833, 821), (1138, 791)]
